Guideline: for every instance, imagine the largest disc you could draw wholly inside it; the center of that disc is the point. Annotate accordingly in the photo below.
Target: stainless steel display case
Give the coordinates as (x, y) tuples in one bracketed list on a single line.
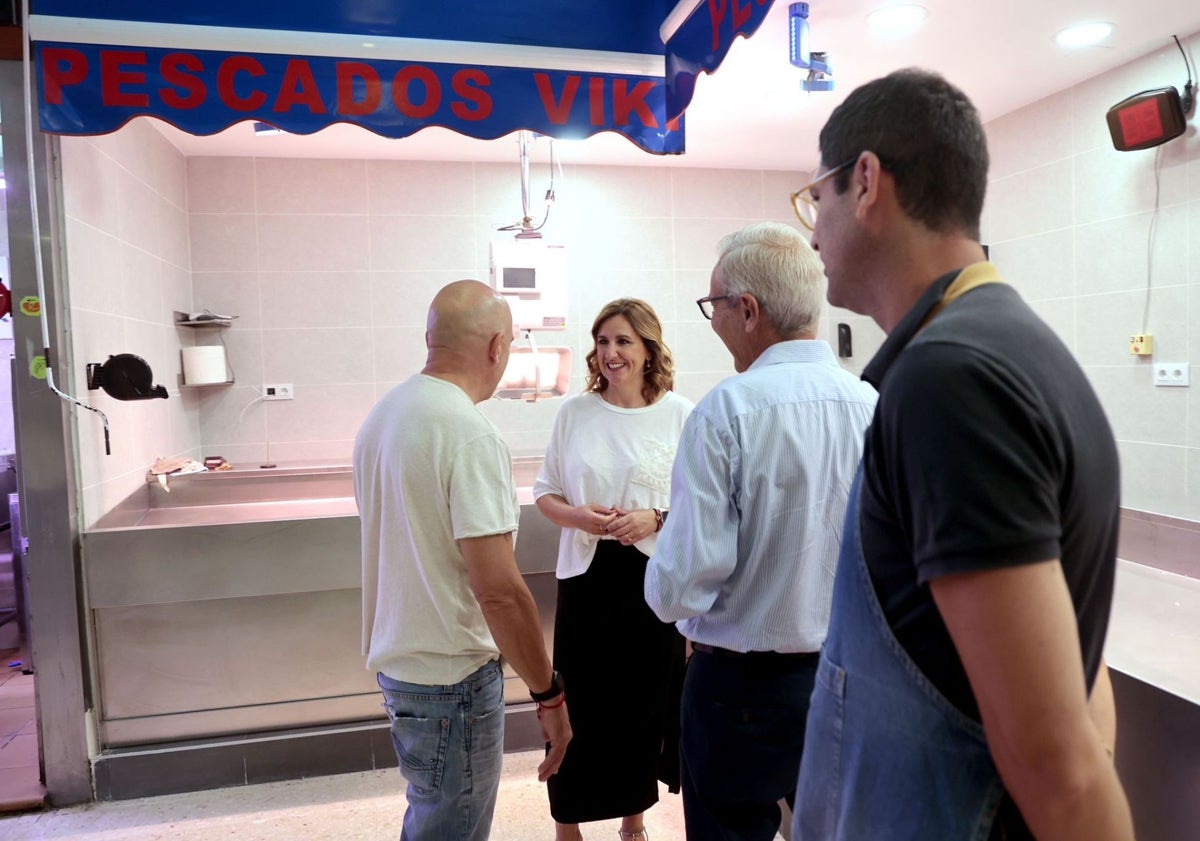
[(231, 604)]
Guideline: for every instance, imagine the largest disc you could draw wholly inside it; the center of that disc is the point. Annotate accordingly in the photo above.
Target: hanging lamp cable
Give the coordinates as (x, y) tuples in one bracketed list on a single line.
[(1150, 238), (1189, 89), (526, 226)]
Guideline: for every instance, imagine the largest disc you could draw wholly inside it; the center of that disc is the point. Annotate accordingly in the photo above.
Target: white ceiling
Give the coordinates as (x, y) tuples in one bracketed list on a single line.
[(752, 113)]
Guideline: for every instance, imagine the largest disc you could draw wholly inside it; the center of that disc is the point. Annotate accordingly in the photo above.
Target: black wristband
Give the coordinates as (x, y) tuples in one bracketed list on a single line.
[(556, 689)]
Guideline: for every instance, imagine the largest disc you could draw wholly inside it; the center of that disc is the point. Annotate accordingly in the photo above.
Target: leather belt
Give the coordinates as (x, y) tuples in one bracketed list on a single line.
[(797, 656)]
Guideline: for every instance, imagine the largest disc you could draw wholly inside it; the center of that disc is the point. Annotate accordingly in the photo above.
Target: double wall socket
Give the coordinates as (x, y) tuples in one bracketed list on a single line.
[(1171, 374), (278, 391)]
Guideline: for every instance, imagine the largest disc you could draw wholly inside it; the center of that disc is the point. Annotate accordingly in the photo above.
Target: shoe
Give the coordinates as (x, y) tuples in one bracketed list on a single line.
[(636, 835)]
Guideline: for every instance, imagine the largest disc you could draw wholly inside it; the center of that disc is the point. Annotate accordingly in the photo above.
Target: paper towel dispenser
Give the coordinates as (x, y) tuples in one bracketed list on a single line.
[(124, 377), (205, 365)]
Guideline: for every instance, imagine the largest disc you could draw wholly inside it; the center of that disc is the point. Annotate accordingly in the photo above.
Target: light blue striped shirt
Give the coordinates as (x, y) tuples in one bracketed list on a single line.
[(758, 492)]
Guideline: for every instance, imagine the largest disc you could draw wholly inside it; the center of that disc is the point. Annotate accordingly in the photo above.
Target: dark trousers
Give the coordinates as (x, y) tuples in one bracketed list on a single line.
[(743, 734)]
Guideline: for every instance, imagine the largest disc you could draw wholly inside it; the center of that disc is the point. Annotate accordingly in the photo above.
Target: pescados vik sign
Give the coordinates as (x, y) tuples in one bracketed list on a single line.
[(478, 68), (88, 89)]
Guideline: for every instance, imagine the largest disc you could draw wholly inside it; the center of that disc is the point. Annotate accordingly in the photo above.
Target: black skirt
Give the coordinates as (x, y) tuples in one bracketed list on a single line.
[(623, 673)]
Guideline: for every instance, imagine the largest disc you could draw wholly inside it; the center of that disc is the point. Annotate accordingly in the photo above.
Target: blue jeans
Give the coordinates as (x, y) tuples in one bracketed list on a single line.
[(450, 743)]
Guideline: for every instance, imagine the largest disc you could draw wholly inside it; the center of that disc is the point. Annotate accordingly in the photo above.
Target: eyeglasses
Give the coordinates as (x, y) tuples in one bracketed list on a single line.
[(803, 202), (706, 304)]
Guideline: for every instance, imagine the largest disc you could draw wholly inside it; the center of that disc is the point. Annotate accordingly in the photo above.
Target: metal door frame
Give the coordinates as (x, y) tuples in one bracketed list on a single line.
[(46, 459)]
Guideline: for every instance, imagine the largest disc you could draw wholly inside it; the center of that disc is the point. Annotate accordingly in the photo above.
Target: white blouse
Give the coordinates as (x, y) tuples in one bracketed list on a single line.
[(610, 456)]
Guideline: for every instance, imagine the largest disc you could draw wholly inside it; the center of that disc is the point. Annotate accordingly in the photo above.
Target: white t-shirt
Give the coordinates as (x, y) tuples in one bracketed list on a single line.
[(603, 454), (429, 469)]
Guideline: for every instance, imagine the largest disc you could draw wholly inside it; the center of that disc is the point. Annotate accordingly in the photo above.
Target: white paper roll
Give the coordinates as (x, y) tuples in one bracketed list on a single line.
[(204, 365)]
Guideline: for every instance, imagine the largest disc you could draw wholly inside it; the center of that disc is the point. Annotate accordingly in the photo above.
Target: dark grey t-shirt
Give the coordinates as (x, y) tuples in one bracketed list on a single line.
[(988, 449)]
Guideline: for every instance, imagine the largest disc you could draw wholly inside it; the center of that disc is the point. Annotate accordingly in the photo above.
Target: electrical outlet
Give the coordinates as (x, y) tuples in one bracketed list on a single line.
[(278, 391), (1141, 344), (1172, 374)]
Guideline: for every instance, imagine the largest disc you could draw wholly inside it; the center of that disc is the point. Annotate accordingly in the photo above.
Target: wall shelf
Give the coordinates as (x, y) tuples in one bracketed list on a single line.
[(182, 320)]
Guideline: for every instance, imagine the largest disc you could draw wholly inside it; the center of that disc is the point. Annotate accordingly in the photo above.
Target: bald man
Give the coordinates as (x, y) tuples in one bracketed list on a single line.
[(442, 596)]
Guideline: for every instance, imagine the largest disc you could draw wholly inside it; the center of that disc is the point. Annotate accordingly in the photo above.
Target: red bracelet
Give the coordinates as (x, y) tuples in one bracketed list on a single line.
[(562, 699)]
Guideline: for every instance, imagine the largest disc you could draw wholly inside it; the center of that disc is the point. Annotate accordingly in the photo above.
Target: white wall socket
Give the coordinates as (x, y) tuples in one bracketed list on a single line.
[(1171, 374), (278, 391)]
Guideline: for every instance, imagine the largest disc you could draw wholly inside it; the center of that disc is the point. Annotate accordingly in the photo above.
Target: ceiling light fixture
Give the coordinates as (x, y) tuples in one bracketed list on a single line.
[(1085, 34), (897, 21)]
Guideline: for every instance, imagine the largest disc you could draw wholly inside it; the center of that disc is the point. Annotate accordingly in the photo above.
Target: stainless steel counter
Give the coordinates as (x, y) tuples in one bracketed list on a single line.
[(1153, 649), (231, 604), (1154, 634)]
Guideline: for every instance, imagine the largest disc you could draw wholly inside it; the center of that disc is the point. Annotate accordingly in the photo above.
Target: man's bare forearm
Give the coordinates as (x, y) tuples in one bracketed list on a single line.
[(508, 607), (513, 619)]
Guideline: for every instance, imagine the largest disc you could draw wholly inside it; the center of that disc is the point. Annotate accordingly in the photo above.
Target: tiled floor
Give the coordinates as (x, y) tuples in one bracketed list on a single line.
[(345, 807), (20, 787)]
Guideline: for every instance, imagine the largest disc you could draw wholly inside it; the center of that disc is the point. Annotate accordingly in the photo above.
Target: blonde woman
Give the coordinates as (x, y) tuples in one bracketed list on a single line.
[(607, 481)]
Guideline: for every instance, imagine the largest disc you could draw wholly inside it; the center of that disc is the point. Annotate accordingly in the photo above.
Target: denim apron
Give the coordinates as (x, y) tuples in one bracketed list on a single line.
[(885, 754)]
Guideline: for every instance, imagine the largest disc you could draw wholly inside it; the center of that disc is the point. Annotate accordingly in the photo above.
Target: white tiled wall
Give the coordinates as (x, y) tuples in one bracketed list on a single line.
[(330, 267), (1069, 221), (127, 270)]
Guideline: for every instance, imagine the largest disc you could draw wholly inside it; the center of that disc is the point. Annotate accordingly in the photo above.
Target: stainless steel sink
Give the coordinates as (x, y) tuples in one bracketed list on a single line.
[(250, 495)]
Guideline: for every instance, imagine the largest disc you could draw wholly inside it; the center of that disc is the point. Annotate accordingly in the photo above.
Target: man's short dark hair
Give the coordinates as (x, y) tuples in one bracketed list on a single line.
[(927, 134)]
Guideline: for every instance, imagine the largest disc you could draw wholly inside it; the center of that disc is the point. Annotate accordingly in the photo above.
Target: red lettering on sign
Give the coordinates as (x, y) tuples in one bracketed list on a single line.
[(173, 68), (298, 87), (112, 77), (716, 13), (467, 84), (61, 68), (625, 101), (226, 74), (596, 99), (558, 110), (740, 15), (348, 72), (673, 125), (433, 92)]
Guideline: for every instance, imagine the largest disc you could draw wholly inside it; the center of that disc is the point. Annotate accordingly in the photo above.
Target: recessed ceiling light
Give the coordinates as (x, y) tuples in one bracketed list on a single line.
[(1083, 34), (897, 21)]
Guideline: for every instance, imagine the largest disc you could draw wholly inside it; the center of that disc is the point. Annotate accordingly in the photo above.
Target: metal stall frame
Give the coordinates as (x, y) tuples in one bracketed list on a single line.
[(46, 456)]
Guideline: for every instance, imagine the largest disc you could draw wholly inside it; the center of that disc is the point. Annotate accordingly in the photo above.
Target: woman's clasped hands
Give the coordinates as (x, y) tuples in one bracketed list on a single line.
[(593, 518), (628, 527)]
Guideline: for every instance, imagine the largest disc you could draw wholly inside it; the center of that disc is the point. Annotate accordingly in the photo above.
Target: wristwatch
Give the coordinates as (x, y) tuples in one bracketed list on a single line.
[(556, 689)]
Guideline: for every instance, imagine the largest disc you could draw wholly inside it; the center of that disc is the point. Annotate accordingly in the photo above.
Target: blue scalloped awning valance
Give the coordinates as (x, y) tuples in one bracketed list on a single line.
[(564, 68)]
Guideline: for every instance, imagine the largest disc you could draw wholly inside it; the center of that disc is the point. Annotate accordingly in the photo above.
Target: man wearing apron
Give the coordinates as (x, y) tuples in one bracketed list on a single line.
[(976, 572)]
